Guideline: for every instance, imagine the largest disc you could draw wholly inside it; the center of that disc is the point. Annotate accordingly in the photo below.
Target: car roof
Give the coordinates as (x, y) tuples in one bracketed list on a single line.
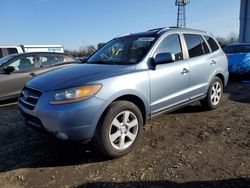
[(160, 31)]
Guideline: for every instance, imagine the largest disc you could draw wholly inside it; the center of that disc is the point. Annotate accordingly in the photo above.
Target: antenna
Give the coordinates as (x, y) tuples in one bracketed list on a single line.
[(181, 15)]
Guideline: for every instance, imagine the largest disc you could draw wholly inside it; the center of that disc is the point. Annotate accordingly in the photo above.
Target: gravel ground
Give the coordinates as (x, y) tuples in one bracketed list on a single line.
[(187, 148)]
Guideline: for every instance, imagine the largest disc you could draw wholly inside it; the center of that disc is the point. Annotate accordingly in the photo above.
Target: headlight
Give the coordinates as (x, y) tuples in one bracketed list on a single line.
[(75, 94)]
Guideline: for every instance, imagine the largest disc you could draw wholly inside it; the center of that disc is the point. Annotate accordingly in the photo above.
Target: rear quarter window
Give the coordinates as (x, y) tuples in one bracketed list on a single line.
[(213, 45)]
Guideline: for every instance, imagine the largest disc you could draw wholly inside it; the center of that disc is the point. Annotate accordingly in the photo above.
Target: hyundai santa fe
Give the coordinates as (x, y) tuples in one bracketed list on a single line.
[(131, 79)]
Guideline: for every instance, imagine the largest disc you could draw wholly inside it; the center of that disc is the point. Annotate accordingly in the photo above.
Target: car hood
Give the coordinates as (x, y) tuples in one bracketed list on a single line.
[(77, 75)]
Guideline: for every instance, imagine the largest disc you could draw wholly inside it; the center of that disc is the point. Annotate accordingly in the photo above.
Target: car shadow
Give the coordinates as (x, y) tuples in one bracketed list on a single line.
[(238, 90), (229, 183), (23, 147)]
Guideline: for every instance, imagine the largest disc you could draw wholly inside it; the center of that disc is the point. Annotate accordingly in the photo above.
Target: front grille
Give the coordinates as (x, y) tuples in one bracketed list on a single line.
[(29, 97)]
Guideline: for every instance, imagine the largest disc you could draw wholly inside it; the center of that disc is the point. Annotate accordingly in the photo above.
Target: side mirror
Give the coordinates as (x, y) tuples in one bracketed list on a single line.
[(164, 58), (9, 70)]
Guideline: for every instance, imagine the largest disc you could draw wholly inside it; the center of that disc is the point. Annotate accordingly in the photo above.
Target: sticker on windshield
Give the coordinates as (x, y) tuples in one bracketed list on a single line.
[(147, 39)]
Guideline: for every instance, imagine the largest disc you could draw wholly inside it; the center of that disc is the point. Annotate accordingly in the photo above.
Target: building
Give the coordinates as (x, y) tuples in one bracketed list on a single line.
[(245, 21)]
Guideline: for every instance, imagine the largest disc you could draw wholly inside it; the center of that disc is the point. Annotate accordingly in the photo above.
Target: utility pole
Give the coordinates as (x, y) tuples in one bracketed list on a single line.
[(181, 15)]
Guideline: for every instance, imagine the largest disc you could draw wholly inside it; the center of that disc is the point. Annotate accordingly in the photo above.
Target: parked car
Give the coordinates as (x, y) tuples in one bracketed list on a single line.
[(238, 58), (7, 50), (128, 81), (17, 69)]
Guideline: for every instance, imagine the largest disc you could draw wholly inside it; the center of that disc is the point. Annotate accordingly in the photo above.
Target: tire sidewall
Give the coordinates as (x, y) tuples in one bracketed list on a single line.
[(209, 100), (104, 128)]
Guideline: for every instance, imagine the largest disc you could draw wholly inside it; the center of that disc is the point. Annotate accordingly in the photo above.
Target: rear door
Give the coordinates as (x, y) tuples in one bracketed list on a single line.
[(12, 84), (199, 59)]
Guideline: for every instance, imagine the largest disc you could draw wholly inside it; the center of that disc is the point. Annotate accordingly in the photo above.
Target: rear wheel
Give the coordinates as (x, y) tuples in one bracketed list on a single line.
[(119, 130), (214, 94)]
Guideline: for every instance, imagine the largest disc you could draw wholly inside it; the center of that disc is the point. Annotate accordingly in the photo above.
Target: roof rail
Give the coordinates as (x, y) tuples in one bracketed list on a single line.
[(174, 27), (157, 29), (123, 35)]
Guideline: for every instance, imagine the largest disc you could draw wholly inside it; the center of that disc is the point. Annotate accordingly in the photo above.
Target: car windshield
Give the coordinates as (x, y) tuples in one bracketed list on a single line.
[(237, 49), (5, 59), (125, 50)]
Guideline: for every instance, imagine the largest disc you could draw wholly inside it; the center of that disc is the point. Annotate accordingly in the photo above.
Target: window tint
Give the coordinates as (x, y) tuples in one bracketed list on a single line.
[(194, 45), (171, 44), (213, 45), (12, 50), (24, 63)]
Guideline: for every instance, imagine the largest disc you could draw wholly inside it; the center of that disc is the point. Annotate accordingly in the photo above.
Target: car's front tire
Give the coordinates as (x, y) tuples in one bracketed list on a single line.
[(119, 129), (214, 94)]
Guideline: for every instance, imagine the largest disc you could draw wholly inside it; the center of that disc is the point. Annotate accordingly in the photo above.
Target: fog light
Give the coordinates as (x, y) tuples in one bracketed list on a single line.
[(62, 136)]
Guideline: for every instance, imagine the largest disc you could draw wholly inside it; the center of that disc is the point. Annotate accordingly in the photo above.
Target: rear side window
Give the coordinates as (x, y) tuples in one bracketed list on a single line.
[(68, 59), (194, 45), (12, 50), (48, 60), (213, 45), (171, 44)]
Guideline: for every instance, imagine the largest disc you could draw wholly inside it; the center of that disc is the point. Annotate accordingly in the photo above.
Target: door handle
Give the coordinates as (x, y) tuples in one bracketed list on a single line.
[(184, 71), (213, 62)]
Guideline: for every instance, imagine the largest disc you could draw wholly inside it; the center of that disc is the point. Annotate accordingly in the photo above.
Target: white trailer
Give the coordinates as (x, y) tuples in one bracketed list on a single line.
[(6, 50)]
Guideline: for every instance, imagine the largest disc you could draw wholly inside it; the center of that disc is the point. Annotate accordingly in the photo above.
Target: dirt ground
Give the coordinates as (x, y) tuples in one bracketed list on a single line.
[(187, 148)]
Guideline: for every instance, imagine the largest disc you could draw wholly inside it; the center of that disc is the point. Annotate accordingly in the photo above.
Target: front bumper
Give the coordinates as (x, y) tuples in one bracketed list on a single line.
[(75, 121)]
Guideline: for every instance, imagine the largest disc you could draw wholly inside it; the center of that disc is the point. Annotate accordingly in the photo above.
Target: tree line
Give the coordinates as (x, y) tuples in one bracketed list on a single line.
[(88, 49)]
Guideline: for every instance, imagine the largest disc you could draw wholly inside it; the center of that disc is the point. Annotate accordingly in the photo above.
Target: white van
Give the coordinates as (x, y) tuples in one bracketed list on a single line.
[(6, 50)]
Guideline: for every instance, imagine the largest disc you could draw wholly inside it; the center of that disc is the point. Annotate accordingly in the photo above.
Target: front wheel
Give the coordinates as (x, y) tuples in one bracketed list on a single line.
[(119, 130), (214, 94)]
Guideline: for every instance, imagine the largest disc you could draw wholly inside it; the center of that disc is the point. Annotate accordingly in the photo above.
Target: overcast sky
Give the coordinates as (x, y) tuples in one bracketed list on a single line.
[(75, 22)]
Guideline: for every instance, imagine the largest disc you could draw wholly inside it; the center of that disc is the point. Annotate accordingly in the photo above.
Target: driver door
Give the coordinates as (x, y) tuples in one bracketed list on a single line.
[(169, 82), (12, 84)]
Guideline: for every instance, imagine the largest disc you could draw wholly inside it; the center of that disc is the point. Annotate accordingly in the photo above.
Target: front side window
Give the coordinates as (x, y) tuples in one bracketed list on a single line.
[(171, 44), (194, 45), (213, 45), (125, 50), (24, 63)]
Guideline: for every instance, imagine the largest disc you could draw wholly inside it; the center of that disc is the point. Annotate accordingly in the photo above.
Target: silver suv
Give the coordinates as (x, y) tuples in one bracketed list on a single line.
[(131, 79)]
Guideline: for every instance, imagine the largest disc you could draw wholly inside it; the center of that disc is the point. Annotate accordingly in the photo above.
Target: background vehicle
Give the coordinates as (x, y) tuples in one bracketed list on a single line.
[(17, 69), (238, 58), (129, 80), (7, 50)]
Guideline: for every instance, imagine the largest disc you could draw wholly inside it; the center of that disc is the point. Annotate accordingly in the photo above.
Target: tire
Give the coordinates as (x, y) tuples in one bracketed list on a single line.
[(119, 129), (214, 94)]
